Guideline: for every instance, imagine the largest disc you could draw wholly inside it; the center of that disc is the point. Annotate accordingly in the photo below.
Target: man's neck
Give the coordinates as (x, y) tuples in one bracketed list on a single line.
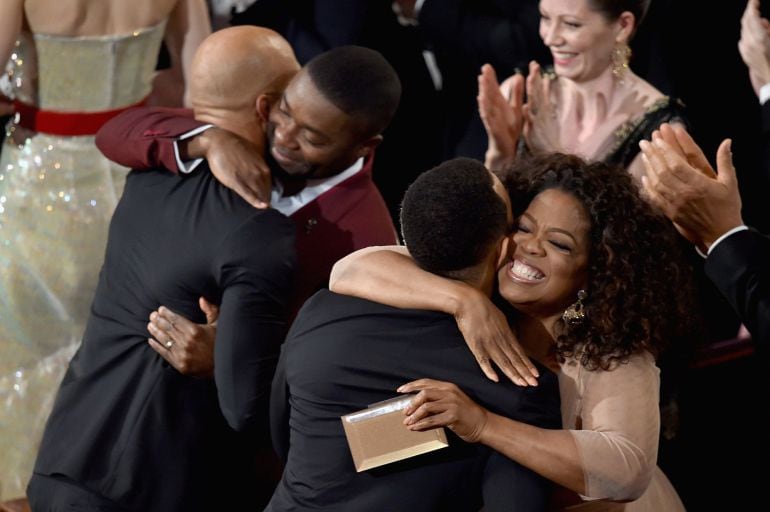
[(484, 276)]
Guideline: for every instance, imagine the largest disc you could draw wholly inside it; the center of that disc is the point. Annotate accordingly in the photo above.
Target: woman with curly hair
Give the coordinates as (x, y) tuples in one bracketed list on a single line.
[(598, 288)]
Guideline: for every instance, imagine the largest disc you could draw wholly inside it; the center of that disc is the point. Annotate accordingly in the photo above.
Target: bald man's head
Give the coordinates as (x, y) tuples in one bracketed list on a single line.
[(234, 66)]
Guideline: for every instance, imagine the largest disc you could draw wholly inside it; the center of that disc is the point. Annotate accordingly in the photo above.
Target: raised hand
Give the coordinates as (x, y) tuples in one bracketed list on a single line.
[(684, 145), (541, 126), (406, 8), (701, 205), (754, 45), (500, 108)]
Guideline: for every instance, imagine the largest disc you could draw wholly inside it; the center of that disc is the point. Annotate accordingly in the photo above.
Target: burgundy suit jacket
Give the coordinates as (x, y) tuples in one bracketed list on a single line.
[(350, 216)]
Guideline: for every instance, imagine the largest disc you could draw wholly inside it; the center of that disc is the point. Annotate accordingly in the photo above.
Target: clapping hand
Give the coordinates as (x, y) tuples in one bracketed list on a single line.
[(754, 45), (500, 108), (541, 128), (702, 204)]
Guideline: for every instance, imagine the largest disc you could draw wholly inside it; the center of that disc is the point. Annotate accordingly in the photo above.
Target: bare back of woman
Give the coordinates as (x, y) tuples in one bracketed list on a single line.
[(90, 18)]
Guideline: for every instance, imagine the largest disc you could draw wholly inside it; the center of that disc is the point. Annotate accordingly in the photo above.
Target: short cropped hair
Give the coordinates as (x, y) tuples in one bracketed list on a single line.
[(360, 82), (451, 217)]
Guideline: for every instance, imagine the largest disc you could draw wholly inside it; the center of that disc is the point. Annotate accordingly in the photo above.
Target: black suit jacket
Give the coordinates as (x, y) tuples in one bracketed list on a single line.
[(740, 267), (764, 170), (344, 353), (125, 424)]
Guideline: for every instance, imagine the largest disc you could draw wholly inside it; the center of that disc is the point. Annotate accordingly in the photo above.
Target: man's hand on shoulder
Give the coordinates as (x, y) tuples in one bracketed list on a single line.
[(236, 162)]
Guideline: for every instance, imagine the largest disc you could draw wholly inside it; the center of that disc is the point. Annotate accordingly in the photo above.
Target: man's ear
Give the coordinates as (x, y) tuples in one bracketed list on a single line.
[(263, 105), (369, 145), (503, 251)]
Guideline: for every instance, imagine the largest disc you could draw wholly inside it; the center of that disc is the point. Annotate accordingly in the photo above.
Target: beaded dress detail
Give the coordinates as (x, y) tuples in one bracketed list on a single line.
[(57, 194)]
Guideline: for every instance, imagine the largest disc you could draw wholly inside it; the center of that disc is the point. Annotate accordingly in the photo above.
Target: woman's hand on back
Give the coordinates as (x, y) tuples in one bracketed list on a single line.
[(490, 339), (443, 404)]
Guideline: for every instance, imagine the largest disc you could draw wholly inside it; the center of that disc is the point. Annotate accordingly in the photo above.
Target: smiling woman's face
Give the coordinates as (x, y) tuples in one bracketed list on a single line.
[(580, 39), (550, 257)]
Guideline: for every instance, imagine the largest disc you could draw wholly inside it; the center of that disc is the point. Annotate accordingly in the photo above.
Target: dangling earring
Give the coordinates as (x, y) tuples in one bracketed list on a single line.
[(575, 314), (621, 53)]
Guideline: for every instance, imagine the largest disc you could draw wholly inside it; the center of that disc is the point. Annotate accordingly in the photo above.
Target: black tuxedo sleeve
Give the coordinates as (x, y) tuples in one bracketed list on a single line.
[(256, 264), (740, 268), (765, 155), (766, 119)]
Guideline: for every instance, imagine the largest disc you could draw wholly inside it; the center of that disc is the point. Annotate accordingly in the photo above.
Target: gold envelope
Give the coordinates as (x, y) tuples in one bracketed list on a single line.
[(377, 435)]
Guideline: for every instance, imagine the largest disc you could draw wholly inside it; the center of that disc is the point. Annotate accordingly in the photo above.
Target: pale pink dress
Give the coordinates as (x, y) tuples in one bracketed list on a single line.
[(615, 420)]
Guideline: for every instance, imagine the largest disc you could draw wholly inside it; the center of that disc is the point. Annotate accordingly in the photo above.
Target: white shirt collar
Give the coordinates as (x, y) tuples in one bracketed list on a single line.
[(285, 205), (313, 188)]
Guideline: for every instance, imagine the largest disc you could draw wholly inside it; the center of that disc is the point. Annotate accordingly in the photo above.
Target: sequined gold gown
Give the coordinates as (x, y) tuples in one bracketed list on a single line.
[(57, 195)]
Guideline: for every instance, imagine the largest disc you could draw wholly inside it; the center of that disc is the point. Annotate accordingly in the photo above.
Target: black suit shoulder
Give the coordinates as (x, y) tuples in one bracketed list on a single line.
[(344, 353), (411, 344), (242, 246)]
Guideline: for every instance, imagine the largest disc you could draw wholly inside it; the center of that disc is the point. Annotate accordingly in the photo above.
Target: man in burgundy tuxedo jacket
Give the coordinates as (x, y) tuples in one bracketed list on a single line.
[(321, 136)]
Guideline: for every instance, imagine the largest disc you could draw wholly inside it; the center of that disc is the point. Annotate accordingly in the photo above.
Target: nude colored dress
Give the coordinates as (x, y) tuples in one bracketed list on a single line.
[(615, 420), (57, 194)]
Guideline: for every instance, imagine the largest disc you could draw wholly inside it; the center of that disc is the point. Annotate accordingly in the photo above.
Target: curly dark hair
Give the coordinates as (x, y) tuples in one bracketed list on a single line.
[(639, 285)]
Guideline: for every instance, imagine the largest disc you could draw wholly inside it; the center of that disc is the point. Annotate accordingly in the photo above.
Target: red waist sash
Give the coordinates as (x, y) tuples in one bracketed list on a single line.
[(65, 123)]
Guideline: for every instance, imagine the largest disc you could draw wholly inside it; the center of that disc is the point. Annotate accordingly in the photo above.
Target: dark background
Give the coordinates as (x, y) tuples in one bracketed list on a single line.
[(688, 49)]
